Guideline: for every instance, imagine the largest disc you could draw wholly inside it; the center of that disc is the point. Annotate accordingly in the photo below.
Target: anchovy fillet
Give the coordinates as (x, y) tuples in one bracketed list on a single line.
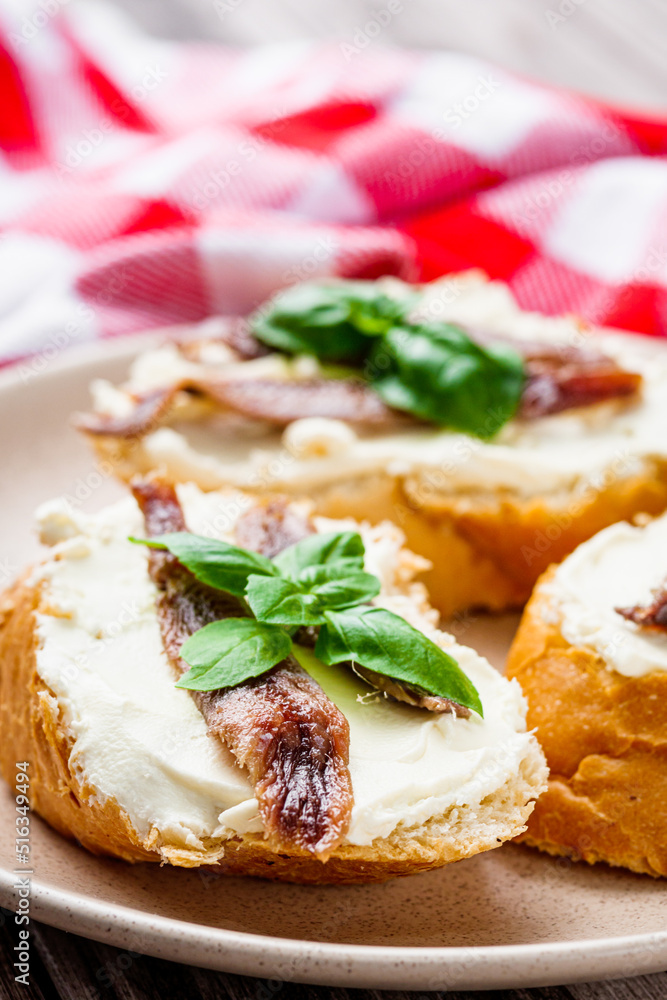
[(281, 726), (653, 615)]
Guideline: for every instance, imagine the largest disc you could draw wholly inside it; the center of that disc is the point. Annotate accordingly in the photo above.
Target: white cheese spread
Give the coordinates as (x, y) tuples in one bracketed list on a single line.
[(142, 742), (617, 568), (563, 452)]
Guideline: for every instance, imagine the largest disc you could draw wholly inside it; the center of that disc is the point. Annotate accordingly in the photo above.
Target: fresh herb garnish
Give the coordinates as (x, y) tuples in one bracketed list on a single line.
[(437, 372), (326, 549), (374, 637), (218, 564), (433, 370), (319, 582), (336, 322), (231, 651)]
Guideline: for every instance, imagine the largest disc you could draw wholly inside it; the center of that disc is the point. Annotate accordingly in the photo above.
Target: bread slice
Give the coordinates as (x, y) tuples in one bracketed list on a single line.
[(498, 513), (596, 686), (73, 703)]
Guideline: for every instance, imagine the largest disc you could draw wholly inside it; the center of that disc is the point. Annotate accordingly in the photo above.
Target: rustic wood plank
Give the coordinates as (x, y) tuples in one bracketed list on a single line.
[(88, 970), (41, 987), (641, 988), (547, 993)]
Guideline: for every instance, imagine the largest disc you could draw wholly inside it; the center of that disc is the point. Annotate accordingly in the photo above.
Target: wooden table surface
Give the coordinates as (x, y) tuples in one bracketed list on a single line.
[(614, 49)]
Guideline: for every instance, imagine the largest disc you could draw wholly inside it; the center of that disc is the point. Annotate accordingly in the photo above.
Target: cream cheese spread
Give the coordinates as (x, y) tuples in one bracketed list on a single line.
[(617, 568), (142, 742), (559, 453)]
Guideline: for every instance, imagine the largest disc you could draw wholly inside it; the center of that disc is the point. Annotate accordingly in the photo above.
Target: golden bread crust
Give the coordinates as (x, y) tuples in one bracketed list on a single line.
[(34, 730), (488, 549), (605, 740)]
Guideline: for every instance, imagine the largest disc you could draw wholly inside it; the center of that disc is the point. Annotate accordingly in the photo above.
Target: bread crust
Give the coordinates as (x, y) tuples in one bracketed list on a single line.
[(492, 546), (605, 740), (34, 730)]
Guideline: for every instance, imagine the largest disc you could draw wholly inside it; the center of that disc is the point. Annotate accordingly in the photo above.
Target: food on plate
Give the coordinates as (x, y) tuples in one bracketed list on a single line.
[(591, 657), (498, 438), (215, 679)]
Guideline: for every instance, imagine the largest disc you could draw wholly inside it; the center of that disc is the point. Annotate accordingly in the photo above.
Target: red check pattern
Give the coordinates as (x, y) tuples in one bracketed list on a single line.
[(145, 182)]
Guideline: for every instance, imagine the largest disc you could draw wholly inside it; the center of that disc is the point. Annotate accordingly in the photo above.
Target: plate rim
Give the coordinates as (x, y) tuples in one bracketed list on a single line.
[(78, 355)]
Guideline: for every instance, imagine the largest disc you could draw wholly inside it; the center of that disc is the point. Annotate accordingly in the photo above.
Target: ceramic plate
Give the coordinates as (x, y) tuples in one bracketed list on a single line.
[(509, 918)]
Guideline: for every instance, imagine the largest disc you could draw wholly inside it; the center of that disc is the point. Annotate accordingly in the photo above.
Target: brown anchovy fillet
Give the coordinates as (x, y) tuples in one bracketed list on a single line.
[(653, 616), (549, 391), (270, 527), (410, 694), (281, 726), (149, 412), (281, 402), (560, 377), (275, 401), (235, 333)]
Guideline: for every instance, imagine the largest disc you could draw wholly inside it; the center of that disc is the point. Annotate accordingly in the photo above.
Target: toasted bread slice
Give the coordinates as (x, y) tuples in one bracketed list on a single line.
[(499, 512), (596, 686), (121, 761)]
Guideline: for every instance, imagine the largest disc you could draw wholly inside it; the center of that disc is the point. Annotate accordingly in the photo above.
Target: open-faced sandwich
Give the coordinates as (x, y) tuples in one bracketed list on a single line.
[(210, 679), (591, 657), (498, 438)]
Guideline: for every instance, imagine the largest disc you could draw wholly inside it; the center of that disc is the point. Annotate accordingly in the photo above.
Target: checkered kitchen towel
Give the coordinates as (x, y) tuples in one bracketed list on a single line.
[(145, 182)]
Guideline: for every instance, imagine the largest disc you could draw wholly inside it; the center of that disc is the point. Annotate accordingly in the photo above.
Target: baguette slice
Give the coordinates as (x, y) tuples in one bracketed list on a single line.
[(120, 759), (503, 510), (596, 686)]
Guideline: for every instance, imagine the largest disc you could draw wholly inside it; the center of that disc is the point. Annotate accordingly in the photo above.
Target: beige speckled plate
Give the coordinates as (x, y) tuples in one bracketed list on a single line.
[(509, 918)]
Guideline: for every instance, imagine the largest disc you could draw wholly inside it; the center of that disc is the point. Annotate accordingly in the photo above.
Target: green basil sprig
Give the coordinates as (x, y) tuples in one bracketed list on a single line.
[(218, 564), (374, 637), (336, 322), (433, 370), (437, 372), (319, 582), (231, 651)]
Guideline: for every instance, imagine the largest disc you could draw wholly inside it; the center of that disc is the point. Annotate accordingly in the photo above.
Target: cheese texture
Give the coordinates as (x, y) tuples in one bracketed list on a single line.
[(618, 568), (576, 449), (141, 741)]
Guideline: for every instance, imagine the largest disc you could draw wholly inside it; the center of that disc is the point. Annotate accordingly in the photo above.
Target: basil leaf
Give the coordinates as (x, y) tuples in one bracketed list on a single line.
[(216, 563), (228, 652), (304, 601), (387, 644), (332, 320), (339, 586), (430, 369), (437, 372), (321, 550), (282, 602)]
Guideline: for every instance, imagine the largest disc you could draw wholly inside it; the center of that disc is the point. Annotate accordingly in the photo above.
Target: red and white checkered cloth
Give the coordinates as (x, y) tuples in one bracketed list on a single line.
[(145, 182)]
